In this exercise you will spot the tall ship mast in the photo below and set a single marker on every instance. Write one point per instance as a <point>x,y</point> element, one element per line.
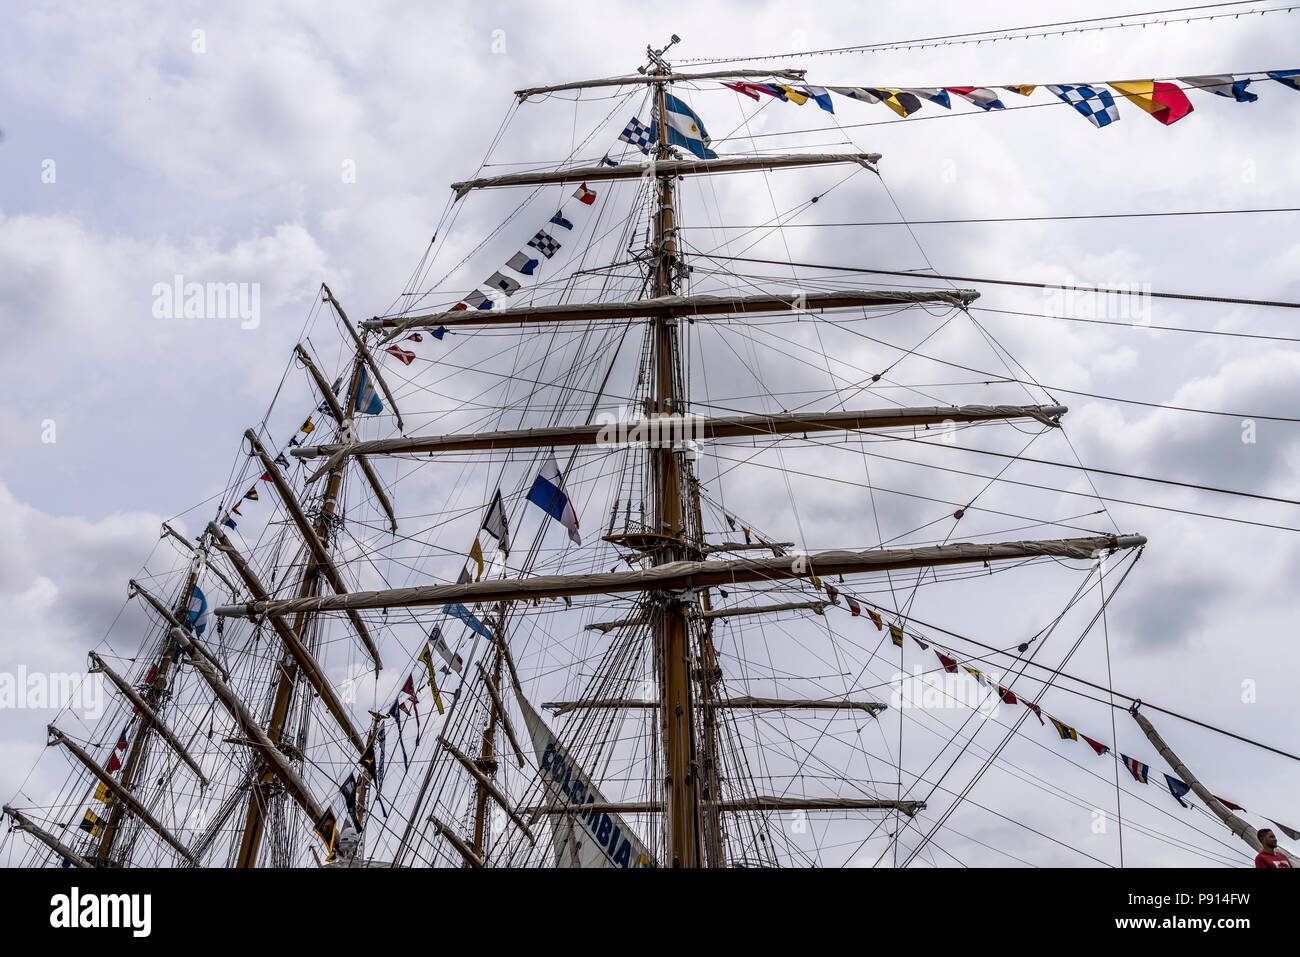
<point>488,604</point>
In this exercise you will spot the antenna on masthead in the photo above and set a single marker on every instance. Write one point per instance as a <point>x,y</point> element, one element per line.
<point>656,56</point>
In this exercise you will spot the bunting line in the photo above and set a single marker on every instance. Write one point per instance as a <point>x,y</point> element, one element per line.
<point>1164,100</point>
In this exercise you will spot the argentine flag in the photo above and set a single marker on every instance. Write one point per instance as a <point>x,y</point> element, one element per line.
<point>685,128</point>
<point>548,494</point>
<point>196,613</point>
<point>366,401</point>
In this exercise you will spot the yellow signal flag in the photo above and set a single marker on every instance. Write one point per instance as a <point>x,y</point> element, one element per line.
<point>1023,89</point>
<point>1066,732</point>
<point>1164,101</point>
<point>427,657</point>
<point>476,553</point>
<point>792,94</point>
<point>102,793</point>
<point>900,101</point>
<point>307,426</point>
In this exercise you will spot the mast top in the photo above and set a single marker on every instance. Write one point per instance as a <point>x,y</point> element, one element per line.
<point>659,70</point>
<point>649,78</point>
<point>656,57</point>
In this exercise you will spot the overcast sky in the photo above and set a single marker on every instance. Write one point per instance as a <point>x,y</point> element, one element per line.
<point>215,141</point>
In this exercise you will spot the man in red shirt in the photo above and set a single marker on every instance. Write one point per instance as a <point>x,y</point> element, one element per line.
<point>1269,856</point>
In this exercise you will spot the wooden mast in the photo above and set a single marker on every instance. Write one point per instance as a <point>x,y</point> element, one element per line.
<point>152,696</point>
<point>487,762</point>
<point>677,715</point>
<point>255,818</point>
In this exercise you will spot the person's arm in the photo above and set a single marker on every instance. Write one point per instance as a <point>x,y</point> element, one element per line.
<point>1259,861</point>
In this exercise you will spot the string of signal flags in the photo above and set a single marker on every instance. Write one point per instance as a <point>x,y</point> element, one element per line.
<point>953,663</point>
<point>1164,100</point>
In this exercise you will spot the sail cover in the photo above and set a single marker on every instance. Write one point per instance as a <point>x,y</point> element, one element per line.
<point>596,839</point>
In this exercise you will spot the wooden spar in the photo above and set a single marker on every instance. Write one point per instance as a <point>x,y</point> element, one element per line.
<point>776,548</point>
<point>317,547</point>
<point>745,703</point>
<point>488,786</point>
<point>122,794</point>
<point>27,826</point>
<point>149,714</point>
<point>681,787</point>
<point>168,530</point>
<point>695,307</point>
<point>340,417</point>
<point>817,606</point>
<point>761,802</point>
<point>301,653</point>
<point>659,431</point>
<point>505,719</point>
<point>365,357</point>
<point>605,627</point>
<point>455,840</point>
<point>665,169</point>
<point>695,574</point>
<point>1235,824</point>
<point>655,78</point>
<point>190,547</point>
<point>765,704</point>
<point>596,704</point>
<point>272,755</point>
<point>137,589</point>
